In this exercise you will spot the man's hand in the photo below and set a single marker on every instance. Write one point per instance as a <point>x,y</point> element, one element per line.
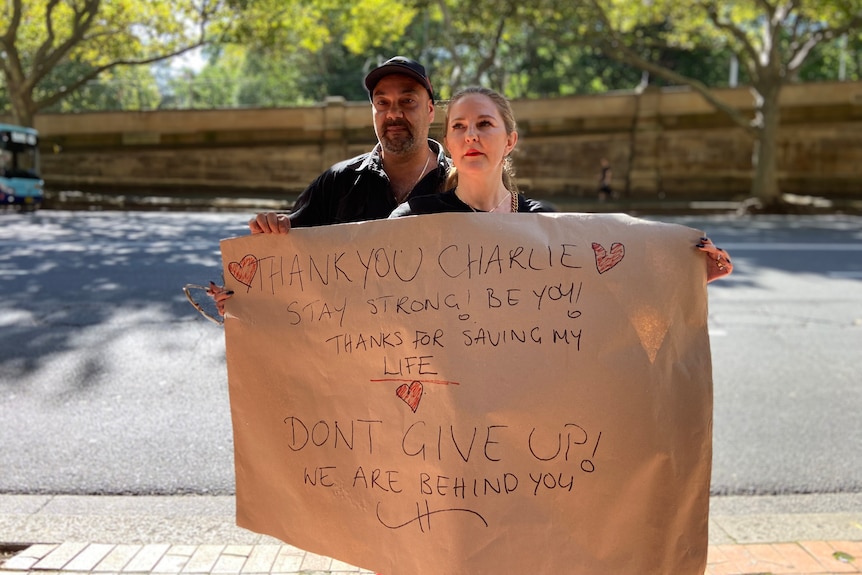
<point>269,223</point>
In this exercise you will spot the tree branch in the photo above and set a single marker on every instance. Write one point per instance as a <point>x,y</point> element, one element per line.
<point>12,66</point>
<point>45,61</point>
<point>488,61</point>
<point>614,47</point>
<point>457,61</point>
<point>95,72</point>
<point>8,39</point>
<point>736,33</point>
<point>798,55</point>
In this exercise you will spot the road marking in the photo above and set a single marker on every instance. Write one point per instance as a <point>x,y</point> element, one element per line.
<point>792,247</point>
<point>830,247</point>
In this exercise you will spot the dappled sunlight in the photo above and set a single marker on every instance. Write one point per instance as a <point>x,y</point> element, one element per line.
<point>105,367</point>
<point>12,317</point>
<point>70,270</point>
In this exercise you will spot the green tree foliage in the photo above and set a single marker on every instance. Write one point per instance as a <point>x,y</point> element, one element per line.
<point>216,85</point>
<point>41,41</point>
<point>840,59</point>
<point>771,39</point>
<point>236,76</point>
<point>268,80</point>
<point>534,50</point>
<point>318,48</point>
<point>126,88</point>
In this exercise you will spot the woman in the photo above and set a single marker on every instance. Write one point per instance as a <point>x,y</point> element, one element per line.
<point>480,133</point>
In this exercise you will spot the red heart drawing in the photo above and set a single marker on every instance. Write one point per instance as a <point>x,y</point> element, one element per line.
<point>606,261</point>
<point>243,271</point>
<point>410,394</point>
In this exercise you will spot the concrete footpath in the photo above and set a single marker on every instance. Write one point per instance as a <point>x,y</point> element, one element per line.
<point>53,534</point>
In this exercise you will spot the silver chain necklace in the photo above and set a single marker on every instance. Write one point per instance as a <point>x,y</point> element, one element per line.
<point>513,207</point>
<point>418,179</point>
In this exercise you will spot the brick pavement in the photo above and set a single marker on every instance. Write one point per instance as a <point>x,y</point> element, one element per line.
<point>171,559</point>
<point>195,535</point>
<point>800,558</point>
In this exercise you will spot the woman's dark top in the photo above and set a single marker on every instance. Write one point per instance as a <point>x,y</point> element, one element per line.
<point>449,202</point>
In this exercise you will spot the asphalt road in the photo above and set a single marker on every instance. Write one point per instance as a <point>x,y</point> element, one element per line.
<point>111,383</point>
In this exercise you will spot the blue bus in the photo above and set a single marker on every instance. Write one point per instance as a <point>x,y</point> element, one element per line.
<point>20,182</point>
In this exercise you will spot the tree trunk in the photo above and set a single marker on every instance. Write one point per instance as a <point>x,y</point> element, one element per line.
<point>21,105</point>
<point>764,184</point>
<point>22,117</point>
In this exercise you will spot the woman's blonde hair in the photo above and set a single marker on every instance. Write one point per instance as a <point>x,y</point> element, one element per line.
<point>505,109</point>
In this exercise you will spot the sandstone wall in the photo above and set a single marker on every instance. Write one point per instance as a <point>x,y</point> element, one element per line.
<point>661,144</point>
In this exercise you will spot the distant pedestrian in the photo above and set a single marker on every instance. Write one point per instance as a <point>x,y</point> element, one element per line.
<point>606,192</point>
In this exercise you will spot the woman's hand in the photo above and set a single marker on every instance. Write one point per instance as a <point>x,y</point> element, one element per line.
<point>269,223</point>
<point>220,295</point>
<point>717,261</point>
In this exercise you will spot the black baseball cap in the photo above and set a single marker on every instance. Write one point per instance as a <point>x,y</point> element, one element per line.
<point>399,65</point>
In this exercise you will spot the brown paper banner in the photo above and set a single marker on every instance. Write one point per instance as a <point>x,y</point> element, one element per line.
<point>475,394</point>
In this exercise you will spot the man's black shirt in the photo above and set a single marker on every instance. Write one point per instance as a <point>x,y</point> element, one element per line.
<point>358,189</point>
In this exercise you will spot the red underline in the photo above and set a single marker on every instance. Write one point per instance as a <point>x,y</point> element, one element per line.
<point>439,381</point>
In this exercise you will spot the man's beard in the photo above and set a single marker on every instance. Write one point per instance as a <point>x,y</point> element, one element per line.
<point>402,143</point>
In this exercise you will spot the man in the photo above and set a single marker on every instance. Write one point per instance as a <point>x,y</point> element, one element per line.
<point>403,164</point>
